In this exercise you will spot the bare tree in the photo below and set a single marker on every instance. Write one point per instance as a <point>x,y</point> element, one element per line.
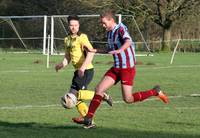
<point>165,12</point>
<point>161,12</point>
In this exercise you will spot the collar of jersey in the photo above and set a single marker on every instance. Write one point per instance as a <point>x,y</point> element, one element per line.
<point>116,27</point>
<point>74,37</point>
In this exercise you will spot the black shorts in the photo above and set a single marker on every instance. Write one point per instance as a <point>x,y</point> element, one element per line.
<point>82,83</point>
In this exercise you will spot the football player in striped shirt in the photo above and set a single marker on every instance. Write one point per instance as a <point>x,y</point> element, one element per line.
<point>122,47</point>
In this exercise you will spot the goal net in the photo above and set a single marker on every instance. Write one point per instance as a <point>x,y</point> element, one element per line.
<point>23,33</point>
<point>90,24</point>
<point>29,33</point>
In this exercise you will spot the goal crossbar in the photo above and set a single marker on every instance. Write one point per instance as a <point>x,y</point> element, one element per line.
<point>51,31</point>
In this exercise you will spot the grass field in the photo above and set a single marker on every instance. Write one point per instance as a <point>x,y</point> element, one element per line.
<point>30,93</point>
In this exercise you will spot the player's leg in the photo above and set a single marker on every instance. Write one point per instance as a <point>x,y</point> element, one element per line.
<point>127,93</point>
<point>142,95</point>
<point>82,108</point>
<point>88,95</point>
<point>108,80</point>
<point>85,94</point>
<point>127,77</point>
<point>77,84</point>
<point>83,82</point>
<point>130,97</point>
<point>101,88</point>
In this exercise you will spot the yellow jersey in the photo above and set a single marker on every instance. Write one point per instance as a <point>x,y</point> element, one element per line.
<point>74,46</point>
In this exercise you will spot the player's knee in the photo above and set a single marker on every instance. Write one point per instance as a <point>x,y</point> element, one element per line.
<point>98,90</point>
<point>128,100</point>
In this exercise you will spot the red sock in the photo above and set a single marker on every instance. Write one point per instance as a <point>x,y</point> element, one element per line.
<point>94,104</point>
<point>140,96</point>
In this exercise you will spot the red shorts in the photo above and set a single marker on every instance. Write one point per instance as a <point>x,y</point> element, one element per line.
<point>126,76</point>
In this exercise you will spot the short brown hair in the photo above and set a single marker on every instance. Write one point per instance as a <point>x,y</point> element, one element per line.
<point>72,17</point>
<point>109,14</point>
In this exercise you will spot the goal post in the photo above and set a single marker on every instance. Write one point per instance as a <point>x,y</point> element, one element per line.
<point>45,34</point>
<point>24,32</point>
<point>61,18</point>
<point>172,58</point>
<point>48,52</point>
<point>29,33</point>
<point>97,34</point>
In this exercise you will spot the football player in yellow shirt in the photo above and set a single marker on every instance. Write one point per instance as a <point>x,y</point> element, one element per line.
<point>76,51</point>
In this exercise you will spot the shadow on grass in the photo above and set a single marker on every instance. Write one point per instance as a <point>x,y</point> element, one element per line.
<point>184,123</point>
<point>36,130</point>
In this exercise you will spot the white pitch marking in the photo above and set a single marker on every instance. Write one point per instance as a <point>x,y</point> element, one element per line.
<point>102,68</point>
<point>181,66</point>
<point>57,105</point>
<point>14,71</point>
<point>28,106</point>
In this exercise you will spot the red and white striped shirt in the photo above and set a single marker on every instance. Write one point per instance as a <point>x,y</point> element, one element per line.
<point>116,39</point>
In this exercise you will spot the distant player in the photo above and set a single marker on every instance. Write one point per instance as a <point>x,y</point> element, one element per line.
<point>76,51</point>
<point>123,50</point>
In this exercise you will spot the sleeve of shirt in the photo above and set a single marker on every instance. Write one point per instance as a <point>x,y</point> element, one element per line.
<point>85,42</point>
<point>123,31</point>
<point>66,44</point>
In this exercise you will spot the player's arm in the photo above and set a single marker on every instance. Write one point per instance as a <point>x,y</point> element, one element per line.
<point>124,46</point>
<point>123,33</point>
<point>64,63</point>
<point>88,49</point>
<point>86,45</point>
<point>90,52</point>
<point>87,61</point>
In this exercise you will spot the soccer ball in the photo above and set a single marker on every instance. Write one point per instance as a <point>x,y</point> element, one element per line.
<point>68,101</point>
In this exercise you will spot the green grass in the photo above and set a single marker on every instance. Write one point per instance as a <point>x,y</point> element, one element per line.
<point>27,87</point>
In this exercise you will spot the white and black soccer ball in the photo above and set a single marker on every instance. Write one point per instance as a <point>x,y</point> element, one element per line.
<point>68,101</point>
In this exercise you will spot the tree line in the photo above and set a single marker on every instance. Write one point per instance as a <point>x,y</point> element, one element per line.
<point>157,19</point>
